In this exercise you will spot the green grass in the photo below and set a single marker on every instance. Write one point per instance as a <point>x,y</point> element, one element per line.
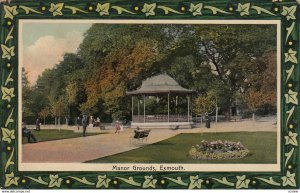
<point>55,134</point>
<point>262,145</point>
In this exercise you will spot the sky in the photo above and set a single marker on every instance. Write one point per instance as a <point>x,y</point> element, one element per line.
<point>44,45</point>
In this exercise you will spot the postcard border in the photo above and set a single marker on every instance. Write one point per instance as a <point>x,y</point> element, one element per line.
<point>286,11</point>
<point>105,167</point>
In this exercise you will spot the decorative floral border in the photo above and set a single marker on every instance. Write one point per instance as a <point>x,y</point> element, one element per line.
<point>288,12</point>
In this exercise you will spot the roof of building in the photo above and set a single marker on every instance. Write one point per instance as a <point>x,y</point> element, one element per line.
<point>162,83</point>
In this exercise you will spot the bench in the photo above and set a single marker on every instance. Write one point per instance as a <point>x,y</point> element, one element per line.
<point>26,135</point>
<point>97,124</point>
<point>139,136</point>
<point>102,127</point>
<point>24,138</point>
<point>236,118</point>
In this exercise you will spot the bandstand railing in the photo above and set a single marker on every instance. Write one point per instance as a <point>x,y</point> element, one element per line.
<point>160,118</point>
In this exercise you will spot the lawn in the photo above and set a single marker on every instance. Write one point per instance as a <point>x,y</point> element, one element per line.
<point>262,145</point>
<point>55,134</point>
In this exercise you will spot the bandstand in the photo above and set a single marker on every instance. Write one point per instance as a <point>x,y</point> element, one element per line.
<point>161,86</point>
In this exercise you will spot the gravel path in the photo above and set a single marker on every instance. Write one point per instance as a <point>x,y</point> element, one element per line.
<point>88,148</point>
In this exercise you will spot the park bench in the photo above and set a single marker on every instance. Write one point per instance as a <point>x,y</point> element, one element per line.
<point>24,138</point>
<point>102,127</point>
<point>139,136</point>
<point>236,118</point>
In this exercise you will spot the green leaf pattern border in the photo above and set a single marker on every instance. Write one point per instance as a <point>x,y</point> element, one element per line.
<point>287,179</point>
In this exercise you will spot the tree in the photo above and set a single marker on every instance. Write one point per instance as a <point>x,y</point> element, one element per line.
<point>53,83</point>
<point>44,89</point>
<point>58,110</point>
<point>203,105</point>
<point>263,85</point>
<point>118,66</point>
<point>269,78</point>
<point>45,112</point>
<point>112,59</point>
<point>255,99</point>
<point>27,101</point>
<point>232,53</point>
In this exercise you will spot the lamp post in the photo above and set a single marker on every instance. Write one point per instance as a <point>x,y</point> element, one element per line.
<point>177,108</point>
<point>216,110</point>
<point>168,107</point>
<point>144,109</point>
<point>188,108</point>
<point>139,102</point>
<point>132,108</point>
<point>157,101</point>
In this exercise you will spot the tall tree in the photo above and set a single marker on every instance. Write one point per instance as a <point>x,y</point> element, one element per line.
<point>124,57</point>
<point>112,59</point>
<point>27,101</point>
<point>58,110</point>
<point>263,91</point>
<point>45,112</point>
<point>232,51</point>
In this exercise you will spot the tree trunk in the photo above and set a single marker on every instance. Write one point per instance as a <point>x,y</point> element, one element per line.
<point>201,119</point>
<point>44,121</point>
<point>59,123</point>
<point>253,117</point>
<point>55,122</point>
<point>216,113</point>
<point>227,115</point>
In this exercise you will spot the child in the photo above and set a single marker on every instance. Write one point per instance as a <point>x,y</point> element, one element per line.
<point>118,127</point>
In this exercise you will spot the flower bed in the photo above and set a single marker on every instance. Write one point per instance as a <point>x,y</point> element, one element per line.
<point>218,150</point>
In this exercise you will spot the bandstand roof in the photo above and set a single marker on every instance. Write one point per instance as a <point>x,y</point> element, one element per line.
<point>160,84</point>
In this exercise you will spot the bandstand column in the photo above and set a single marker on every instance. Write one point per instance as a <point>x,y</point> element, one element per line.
<point>188,108</point>
<point>177,108</point>
<point>191,107</point>
<point>144,109</point>
<point>138,110</point>
<point>168,107</point>
<point>216,111</point>
<point>132,108</point>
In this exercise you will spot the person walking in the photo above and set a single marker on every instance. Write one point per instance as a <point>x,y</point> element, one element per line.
<point>118,126</point>
<point>91,121</point>
<point>84,124</point>
<point>78,122</point>
<point>97,122</point>
<point>37,125</point>
<point>207,121</point>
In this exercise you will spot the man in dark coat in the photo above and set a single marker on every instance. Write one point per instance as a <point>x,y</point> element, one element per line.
<point>78,122</point>
<point>37,125</point>
<point>84,124</point>
<point>207,121</point>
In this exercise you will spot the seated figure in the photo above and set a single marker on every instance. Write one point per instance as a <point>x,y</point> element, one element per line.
<point>27,133</point>
<point>138,134</point>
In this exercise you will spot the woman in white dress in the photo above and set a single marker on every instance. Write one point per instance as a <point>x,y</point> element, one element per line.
<point>91,121</point>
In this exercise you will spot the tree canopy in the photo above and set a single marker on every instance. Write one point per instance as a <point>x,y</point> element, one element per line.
<point>230,61</point>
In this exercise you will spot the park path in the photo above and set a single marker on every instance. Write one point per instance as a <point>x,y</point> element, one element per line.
<point>92,147</point>
<point>87,148</point>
